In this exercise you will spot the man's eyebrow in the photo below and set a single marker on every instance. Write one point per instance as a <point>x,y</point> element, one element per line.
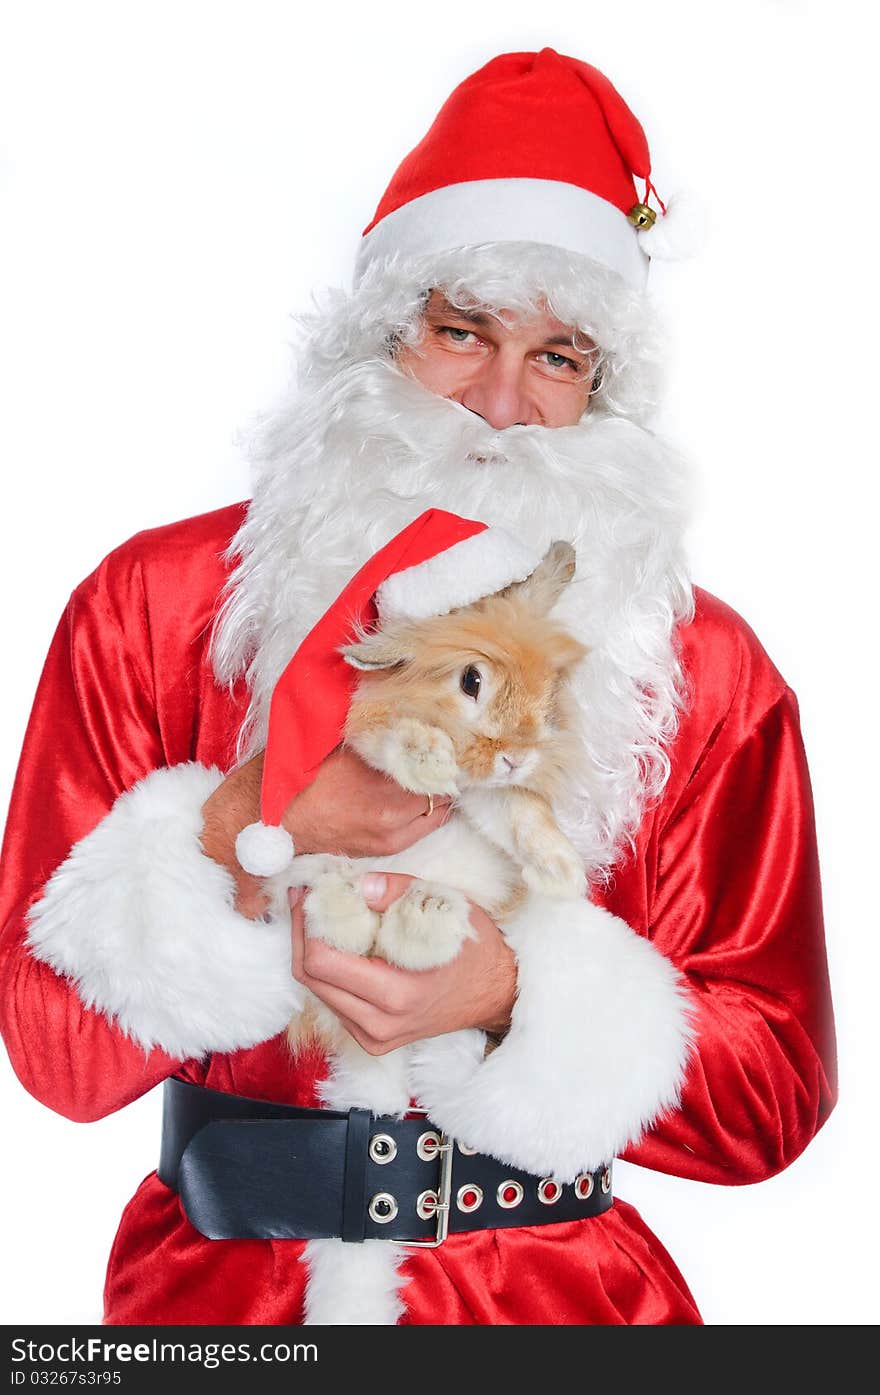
<point>473,317</point>
<point>565,341</point>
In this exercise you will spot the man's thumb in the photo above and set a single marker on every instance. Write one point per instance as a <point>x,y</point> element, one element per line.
<point>381,888</point>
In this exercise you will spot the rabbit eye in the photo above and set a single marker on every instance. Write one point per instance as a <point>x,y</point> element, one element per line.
<point>470,682</point>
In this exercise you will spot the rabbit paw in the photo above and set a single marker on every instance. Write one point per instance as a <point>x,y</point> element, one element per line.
<point>556,870</point>
<point>425,927</point>
<point>420,758</point>
<point>335,911</point>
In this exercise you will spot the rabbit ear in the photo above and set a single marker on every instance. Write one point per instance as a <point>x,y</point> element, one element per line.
<point>547,582</point>
<point>374,652</point>
<point>565,652</point>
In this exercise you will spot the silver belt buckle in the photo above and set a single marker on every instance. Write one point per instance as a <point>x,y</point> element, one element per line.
<point>444,1194</point>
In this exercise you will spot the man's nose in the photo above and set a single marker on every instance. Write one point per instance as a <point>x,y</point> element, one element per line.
<point>498,394</point>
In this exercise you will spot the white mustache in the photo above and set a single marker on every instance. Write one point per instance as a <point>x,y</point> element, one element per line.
<point>414,449</point>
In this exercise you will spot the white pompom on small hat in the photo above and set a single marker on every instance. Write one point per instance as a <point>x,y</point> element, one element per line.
<point>438,563</point>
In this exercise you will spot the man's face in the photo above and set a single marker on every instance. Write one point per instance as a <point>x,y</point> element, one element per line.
<point>509,371</point>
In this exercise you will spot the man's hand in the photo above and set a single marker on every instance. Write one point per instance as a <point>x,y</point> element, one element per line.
<point>384,1007</point>
<point>354,811</point>
<point>234,804</point>
<point>349,809</point>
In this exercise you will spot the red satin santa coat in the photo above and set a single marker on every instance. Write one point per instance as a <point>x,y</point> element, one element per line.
<point>724,881</point>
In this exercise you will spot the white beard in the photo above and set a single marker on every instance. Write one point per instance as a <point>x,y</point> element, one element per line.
<point>349,463</point>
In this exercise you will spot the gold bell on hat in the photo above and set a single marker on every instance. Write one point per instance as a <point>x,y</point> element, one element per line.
<point>641,216</point>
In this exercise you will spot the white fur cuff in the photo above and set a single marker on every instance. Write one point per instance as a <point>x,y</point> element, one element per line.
<point>596,1051</point>
<point>144,924</point>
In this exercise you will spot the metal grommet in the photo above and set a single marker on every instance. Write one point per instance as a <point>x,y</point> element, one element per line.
<point>426,1206</point>
<point>464,1149</point>
<point>383,1149</point>
<point>469,1197</point>
<point>549,1191</point>
<point>583,1185</point>
<point>427,1145</point>
<point>606,1180</point>
<point>383,1208</point>
<point>509,1194</point>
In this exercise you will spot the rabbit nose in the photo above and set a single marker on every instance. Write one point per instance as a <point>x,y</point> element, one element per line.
<point>511,764</point>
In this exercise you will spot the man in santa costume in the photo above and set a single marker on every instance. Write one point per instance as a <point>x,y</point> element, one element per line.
<point>497,362</point>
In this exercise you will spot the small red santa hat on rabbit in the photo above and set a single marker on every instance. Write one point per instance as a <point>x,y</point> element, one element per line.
<point>436,564</point>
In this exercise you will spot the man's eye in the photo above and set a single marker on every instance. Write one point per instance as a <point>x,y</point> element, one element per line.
<point>560,361</point>
<point>456,334</point>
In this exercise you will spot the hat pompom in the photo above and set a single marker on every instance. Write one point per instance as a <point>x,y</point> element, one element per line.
<point>264,849</point>
<point>679,233</point>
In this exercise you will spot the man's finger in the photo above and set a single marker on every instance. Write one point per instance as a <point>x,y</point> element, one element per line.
<point>427,819</point>
<point>370,981</point>
<point>375,1046</point>
<point>367,1014</point>
<point>422,806</point>
<point>373,980</point>
<point>381,889</point>
<point>250,898</point>
<point>347,1007</point>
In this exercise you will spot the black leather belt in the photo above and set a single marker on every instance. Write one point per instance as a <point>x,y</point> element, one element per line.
<point>250,1170</point>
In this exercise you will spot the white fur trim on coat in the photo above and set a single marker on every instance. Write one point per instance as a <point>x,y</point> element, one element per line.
<point>477,566</point>
<point>596,1050</point>
<point>143,922</point>
<point>353,1284</point>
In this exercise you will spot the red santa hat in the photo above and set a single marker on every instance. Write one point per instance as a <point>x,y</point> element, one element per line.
<point>436,564</point>
<point>534,147</point>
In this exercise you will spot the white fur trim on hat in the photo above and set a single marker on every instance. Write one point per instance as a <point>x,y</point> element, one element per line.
<point>144,923</point>
<point>599,1038</point>
<point>509,210</point>
<point>477,566</point>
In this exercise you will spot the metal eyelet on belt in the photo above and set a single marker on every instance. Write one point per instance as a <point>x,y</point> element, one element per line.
<point>383,1208</point>
<point>606,1180</point>
<point>509,1194</point>
<point>427,1145</point>
<point>469,1197</point>
<point>464,1149</point>
<point>426,1206</point>
<point>583,1186</point>
<point>383,1149</point>
<point>549,1191</point>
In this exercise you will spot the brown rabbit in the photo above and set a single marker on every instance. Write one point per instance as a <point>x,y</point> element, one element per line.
<point>472,704</point>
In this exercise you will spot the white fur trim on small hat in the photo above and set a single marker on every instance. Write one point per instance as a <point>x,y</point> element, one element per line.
<point>264,849</point>
<point>478,566</point>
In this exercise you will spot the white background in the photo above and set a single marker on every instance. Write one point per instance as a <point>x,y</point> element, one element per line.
<point>176,178</point>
